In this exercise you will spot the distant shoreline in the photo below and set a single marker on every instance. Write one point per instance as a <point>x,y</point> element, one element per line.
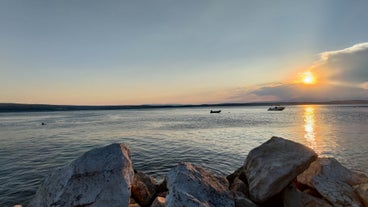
<point>16,107</point>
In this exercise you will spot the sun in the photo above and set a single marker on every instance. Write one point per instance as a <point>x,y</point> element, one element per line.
<point>308,78</point>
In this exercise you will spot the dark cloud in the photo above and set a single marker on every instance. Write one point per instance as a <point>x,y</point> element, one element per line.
<point>349,65</point>
<point>299,92</point>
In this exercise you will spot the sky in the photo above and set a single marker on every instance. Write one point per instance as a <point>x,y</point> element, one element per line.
<point>89,52</point>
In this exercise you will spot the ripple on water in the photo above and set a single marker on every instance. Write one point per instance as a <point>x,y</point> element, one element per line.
<point>161,138</point>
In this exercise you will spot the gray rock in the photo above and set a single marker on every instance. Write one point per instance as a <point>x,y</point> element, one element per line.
<point>292,197</point>
<point>273,165</point>
<point>244,202</point>
<point>100,177</point>
<point>143,189</point>
<point>331,168</point>
<point>193,186</point>
<point>332,181</point>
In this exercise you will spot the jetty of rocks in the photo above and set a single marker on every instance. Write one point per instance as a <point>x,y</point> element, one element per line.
<point>279,172</point>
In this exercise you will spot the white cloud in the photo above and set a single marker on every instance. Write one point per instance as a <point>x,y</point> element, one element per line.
<point>350,50</point>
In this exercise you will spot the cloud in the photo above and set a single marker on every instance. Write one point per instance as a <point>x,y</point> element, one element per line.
<point>344,73</point>
<point>350,50</point>
<point>348,66</point>
<point>298,92</point>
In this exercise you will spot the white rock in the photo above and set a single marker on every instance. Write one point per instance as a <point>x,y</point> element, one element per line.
<point>273,165</point>
<point>193,186</point>
<point>100,177</point>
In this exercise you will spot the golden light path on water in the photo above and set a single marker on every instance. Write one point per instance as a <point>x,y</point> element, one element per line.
<point>309,127</point>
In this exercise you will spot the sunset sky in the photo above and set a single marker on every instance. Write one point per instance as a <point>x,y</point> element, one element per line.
<point>170,52</point>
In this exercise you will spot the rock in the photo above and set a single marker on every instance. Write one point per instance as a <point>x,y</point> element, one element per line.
<point>244,202</point>
<point>241,193</point>
<point>161,188</point>
<point>313,192</point>
<point>133,203</point>
<point>273,165</point>
<point>159,202</point>
<point>292,197</point>
<point>357,178</point>
<point>362,191</point>
<point>331,168</point>
<point>143,188</point>
<point>332,181</point>
<point>239,173</point>
<point>239,186</point>
<point>100,177</point>
<point>241,200</point>
<point>162,194</point>
<point>193,186</point>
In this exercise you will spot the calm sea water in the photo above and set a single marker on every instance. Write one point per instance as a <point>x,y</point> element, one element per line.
<point>160,138</point>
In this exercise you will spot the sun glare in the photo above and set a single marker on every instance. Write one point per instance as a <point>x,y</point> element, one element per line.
<point>308,78</point>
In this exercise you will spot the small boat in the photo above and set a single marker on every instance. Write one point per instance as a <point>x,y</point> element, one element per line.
<point>276,108</point>
<point>215,111</point>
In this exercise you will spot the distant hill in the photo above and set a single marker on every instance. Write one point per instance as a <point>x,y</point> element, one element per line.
<point>15,107</point>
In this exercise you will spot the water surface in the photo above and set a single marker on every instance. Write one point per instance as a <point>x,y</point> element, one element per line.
<point>160,138</point>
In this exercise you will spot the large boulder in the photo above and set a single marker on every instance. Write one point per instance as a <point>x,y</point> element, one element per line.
<point>193,186</point>
<point>332,169</point>
<point>100,177</point>
<point>333,181</point>
<point>273,165</point>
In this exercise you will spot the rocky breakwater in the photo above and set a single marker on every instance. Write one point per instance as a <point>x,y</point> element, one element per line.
<point>279,172</point>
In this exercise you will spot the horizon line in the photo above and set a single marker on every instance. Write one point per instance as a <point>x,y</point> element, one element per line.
<point>200,104</point>
<point>194,104</point>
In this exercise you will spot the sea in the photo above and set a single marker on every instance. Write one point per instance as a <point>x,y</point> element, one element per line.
<point>161,138</point>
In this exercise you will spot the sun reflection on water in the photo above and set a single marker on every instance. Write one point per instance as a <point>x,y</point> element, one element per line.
<point>309,127</point>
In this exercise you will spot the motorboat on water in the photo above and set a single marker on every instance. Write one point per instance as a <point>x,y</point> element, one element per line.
<point>215,111</point>
<point>276,108</point>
